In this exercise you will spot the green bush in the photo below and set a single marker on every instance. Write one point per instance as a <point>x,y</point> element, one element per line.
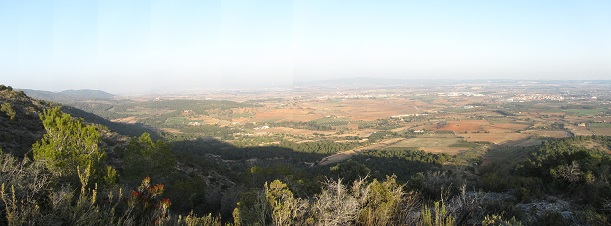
<point>70,145</point>
<point>7,108</point>
<point>143,157</point>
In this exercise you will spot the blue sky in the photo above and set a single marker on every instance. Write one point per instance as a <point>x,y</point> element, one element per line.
<point>137,46</point>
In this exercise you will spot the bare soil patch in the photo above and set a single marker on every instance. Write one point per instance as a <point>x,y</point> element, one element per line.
<point>466,125</point>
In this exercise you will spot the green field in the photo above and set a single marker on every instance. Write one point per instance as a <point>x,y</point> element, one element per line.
<point>433,142</point>
<point>585,112</point>
<point>242,115</point>
<point>600,125</point>
<point>331,122</point>
<point>425,99</point>
<point>175,121</point>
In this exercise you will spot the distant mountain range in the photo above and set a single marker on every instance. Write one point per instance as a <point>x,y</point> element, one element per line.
<point>68,95</point>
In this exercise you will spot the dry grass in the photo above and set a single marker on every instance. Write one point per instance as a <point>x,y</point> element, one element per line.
<point>529,142</point>
<point>286,114</point>
<point>493,129</point>
<point>295,131</point>
<point>601,131</point>
<point>590,144</point>
<point>367,109</point>
<point>129,120</point>
<point>447,150</point>
<point>579,130</point>
<point>548,133</point>
<point>511,126</point>
<point>435,144</point>
<point>211,121</point>
<point>496,138</point>
<point>421,142</point>
<point>171,130</point>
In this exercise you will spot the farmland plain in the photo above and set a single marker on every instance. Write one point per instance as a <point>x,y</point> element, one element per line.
<point>434,118</point>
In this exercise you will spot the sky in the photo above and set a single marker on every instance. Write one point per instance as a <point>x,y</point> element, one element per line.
<point>178,45</point>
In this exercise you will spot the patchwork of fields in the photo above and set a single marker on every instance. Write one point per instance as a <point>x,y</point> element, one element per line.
<point>436,123</point>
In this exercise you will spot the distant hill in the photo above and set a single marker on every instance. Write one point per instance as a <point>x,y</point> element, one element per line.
<point>68,95</point>
<point>87,94</point>
<point>20,125</point>
<point>133,130</point>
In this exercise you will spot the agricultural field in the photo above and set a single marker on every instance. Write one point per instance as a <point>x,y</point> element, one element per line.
<point>431,144</point>
<point>466,126</point>
<point>433,119</point>
<point>586,111</point>
<point>579,130</point>
<point>548,133</point>
<point>499,138</point>
<point>600,128</point>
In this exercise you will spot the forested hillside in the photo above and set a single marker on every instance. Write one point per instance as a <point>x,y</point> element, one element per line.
<point>62,166</point>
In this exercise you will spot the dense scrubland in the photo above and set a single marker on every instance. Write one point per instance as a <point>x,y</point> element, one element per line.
<point>63,165</point>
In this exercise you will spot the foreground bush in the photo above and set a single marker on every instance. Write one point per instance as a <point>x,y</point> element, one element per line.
<point>29,195</point>
<point>362,203</point>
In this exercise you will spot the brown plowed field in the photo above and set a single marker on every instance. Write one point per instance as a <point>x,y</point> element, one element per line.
<point>466,125</point>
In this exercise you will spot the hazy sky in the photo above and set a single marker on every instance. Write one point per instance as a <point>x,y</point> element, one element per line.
<point>125,46</point>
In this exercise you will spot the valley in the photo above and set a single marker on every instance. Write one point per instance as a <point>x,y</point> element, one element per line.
<point>522,143</point>
<point>430,118</point>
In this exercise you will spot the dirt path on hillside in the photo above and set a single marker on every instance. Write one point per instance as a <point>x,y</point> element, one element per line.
<point>347,154</point>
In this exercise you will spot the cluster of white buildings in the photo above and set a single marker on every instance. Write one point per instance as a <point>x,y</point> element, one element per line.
<point>528,97</point>
<point>458,94</point>
<point>407,115</point>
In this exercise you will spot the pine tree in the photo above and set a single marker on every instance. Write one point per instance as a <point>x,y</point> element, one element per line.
<point>144,157</point>
<point>70,145</point>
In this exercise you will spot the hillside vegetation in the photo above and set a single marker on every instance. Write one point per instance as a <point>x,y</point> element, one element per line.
<point>58,169</point>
